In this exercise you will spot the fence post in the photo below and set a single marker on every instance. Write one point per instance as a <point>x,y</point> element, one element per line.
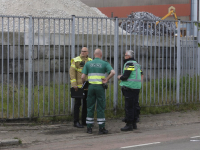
<point>73,53</point>
<point>198,48</point>
<point>115,93</point>
<point>178,64</point>
<point>30,63</point>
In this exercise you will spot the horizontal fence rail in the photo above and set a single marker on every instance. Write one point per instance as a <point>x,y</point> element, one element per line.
<point>35,54</point>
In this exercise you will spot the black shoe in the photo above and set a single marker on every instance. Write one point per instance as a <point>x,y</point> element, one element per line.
<point>78,125</point>
<point>124,119</point>
<point>128,127</point>
<point>89,130</point>
<point>138,120</point>
<point>103,131</point>
<point>134,126</point>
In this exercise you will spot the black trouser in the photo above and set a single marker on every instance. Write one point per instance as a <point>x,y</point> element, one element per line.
<point>77,109</point>
<point>131,104</point>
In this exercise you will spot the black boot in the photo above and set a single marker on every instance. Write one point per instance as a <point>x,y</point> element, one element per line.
<point>134,125</point>
<point>78,125</point>
<point>89,130</point>
<point>103,131</point>
<point>128,127</point>
<point>124,120</point>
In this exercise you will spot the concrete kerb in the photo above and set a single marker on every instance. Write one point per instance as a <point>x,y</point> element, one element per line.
<point>7,142</point>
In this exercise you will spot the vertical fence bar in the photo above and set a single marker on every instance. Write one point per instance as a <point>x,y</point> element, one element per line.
<point>198,57</point>
<point>59,70</point>
<point>150,62</point>
<point>110,63</point>
<point>13,65</point>
<point>43,66</point>
<point>147,55</point>
<point>30,65</point>
<point>8,77</point>
<point>159,67</point>
<point>170,64</point>
<point>162,61</point>
<point>78,37</point>
<point>64,69</point>
<point>73,53</point>
<point>178,63</point>
<point>38,73</point>
<point>69,41</point>
<point>33,100</point>
<point>115,94</point>
<point>2,69</point>
<point>155,54</point>
<point>49,67</point>
<point>193,75</point>
<point>54,67</point>
<point>24,75</point>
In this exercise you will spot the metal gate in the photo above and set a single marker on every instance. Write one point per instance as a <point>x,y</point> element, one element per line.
<point>36,52</point>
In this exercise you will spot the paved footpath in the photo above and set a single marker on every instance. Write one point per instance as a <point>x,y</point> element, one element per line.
<point>30,134</point>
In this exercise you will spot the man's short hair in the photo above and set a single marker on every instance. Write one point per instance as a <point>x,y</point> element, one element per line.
<point>130,53</point>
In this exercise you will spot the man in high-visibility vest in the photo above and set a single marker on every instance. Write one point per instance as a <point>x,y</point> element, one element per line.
<point>131,84</point>
<point>77,65</point>
<point>96,71</point>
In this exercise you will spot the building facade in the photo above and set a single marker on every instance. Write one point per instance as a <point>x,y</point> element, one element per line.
<point>122,8</point>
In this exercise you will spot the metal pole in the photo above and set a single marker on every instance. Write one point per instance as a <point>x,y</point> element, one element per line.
<point>73,54</point>
<point>115,94</point>
<point>30,32</point>
<point>198,55</point>
<point>178,63</point>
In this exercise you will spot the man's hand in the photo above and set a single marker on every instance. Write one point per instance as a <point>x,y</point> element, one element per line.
<point>104,80</point>
<point>119,76</point>
<point>76,88</point>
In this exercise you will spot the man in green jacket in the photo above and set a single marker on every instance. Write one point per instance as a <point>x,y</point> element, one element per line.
<point>96,70</point>
<point>131,84</point>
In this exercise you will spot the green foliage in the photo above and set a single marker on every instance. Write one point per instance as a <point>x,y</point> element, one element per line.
<point>50,101</point>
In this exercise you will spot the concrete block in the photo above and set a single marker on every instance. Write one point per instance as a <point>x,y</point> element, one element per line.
<point>60,39</point>
<point>7,142</point>
<point>56,63</point>
<point>12,38</point>
<point>5,50</point>
<point>21,52</point>
<point>38,39</point>
<point>38,65</point>
<point>86,40</point>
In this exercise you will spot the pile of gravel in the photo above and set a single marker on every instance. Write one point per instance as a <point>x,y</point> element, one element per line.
<point>62,9</point>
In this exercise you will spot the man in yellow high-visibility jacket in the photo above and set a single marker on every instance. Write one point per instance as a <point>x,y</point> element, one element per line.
<point>77,65</point>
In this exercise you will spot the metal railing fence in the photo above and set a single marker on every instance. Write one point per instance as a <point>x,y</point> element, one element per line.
<point>36,52</point>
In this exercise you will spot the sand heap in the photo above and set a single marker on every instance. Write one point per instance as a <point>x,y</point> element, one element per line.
<point>53,8</point>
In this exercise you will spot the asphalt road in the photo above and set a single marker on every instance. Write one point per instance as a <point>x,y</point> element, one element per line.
<point>178,137</point>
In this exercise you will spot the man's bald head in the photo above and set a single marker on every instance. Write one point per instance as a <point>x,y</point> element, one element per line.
<point>98,53</point>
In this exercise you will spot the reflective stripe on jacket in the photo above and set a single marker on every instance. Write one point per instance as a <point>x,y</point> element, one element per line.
<point>76,69</point>
<point>134,80</point>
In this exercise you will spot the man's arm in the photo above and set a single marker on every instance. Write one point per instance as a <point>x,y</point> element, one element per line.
<point>112,73</point>
<point>73,72</point>
<point>83,77</point>
<point>127,71</point>
<point>141,77</point>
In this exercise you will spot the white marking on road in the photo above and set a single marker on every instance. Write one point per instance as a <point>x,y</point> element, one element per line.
<point>141,145</point>
<point>194,140</point>
<point>195,137</point>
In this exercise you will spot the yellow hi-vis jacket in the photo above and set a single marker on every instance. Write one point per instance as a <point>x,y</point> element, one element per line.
<point>76,69</point>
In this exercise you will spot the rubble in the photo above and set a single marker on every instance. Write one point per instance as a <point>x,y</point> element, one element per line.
<point>144,23</point>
